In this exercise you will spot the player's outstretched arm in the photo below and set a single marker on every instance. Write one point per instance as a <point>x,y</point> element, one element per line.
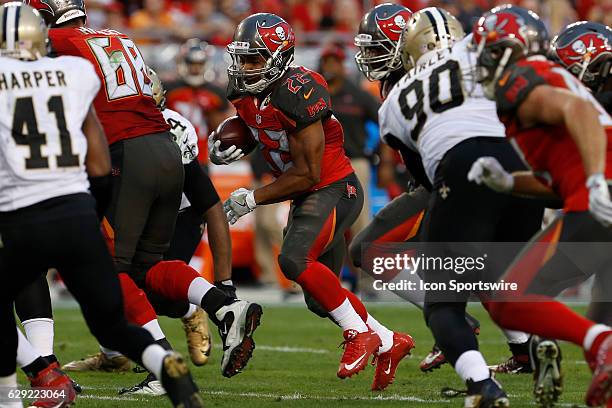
<point>306,147</point>
<point>557,106</point>
<point>220,242</point>
<point>98,157</point>
<point>550,105</point>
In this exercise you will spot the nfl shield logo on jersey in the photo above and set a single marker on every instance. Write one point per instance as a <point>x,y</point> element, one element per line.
<point>258,119</point>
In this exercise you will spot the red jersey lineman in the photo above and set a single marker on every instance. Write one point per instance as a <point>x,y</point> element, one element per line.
<point>288,111</point>
<point>565,136</point>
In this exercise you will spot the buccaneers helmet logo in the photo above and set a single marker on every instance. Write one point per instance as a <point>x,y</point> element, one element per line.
<point>42,5</point>
<point>276,35</point>
<point>393,25</point>
<point>587,45</point>
<point>503,25</point>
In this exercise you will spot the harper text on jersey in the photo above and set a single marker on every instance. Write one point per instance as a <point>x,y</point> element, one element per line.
<point>32,79</point>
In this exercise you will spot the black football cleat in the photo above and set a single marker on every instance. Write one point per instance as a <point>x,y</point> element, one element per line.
<point>178,383</point>
<point>548,380</point>
<point>485,394</point>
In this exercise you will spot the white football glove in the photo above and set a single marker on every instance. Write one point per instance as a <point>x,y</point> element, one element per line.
<point>240,202</point>
<point>599,199</point>
<point>489,171</point>
<point>218,156</point>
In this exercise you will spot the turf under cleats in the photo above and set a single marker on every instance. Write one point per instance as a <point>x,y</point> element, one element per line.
<point>548,379</point>
<point>434,359</point>
<point>99,362</point>
<point>178,383</point>
<point>387,362</point>
<point>199,340</point>
<point>358,347</point>
<point>148,386</point>
<point>600,390</point>
<point>485,394</point>
<point>237,323</point>
<point>56,386</point>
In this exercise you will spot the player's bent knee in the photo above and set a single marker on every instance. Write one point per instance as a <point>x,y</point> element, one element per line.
<point>290,267</point>
<point>314,306</point>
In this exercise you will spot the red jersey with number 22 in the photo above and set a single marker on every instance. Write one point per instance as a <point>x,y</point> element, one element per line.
<point>550,151</point>
<point>124,104</point>
<point>298,100</point>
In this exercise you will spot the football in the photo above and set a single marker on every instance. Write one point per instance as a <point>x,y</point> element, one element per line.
<point>234,131</point>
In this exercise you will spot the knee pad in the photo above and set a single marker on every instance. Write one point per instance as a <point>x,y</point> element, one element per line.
<point>314,306</point>
<point>290,267</point>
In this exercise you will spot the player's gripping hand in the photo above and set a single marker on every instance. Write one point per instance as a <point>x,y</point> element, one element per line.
<point>240,202</point>
<point>218,156</point>
<point>599,199</point>
<point>489,171</point>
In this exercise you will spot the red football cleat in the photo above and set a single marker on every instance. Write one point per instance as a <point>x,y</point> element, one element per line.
<point>57,387</point>
<point>600,390</point>
<point>358,347</point>
<point>387,362</point>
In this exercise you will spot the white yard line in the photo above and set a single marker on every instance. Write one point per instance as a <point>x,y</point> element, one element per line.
<point>286,349</point>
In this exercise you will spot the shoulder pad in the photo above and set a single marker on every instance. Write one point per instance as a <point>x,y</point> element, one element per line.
<point>302,96</point>
<point>515,85</point>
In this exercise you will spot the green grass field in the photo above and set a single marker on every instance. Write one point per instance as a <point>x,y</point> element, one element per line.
<point>295,365</point>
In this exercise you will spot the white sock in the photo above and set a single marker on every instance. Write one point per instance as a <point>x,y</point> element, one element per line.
<point>386,335</point>
<point>192,309</point>
<point>472,365</point>
<point>6,383</point>
<point>515,337</point>
<point>348,318</point>
<point>592,334</point>
<point>110,353</point>
<point>25,351</point>
<point>197,289</point>
<point>153,357</point>
<point>154,329</point>
<point>40,334</point>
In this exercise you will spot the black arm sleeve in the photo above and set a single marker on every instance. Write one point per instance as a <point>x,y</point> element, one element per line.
<point>101,190</point>
<point>198,188</point>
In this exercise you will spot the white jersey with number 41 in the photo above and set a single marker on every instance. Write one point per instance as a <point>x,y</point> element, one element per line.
<point>437,105</point>
<point>43,104</point>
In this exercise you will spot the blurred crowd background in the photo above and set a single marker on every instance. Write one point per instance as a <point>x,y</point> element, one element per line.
<point>184,41</point>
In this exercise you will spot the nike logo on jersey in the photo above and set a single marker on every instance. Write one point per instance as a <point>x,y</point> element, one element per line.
<point>388,370</point>
<point>307,94</point>
<point>354,363</point>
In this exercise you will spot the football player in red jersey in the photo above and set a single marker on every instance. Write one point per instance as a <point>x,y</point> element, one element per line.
<point>288,110</point>
<point>195,97</point>
<point>146,193</point>
<point>585,49</point>
<point>565,136</point>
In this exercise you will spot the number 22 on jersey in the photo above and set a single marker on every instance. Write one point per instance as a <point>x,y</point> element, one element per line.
<point>122,65</point>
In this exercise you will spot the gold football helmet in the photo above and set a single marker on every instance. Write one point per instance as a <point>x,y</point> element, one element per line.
<point>159,93</point>
<point>23,34</point>
<point>429,29</point>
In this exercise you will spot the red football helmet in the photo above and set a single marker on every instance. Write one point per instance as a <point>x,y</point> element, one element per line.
<point>585,49</point>
<point>57,12</point>
<point>266,35</point>
<point>379,33</point>
<point>505,35</point>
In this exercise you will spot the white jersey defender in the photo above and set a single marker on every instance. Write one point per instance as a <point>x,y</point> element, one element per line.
<point>42,145</point>
<point>437,105</point>
<point>186,138</point>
